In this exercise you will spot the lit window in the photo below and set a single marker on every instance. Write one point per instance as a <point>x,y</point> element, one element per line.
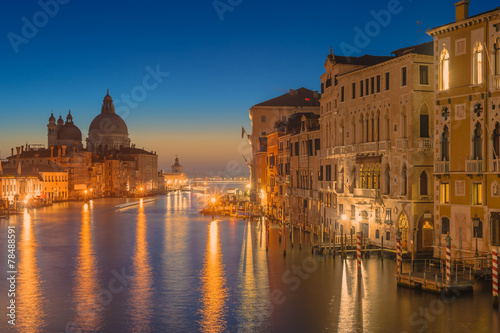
<point>477,194</point>
<point>444,70</point>
<point>478,64</point>
<point>444,193</point>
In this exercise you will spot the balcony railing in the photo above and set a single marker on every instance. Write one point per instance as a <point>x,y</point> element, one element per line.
<point>339,150</point>
<point>496,81</point>
<point>349,149</point>
<point>303,158</point>
<point>402,143</point>
<point>384,145</point>
<point>496,165</point>
<point>368,147</point>
<point>366,193</point>
<point>425,143</point>
<point>442,167</point>
<point>474,166</point>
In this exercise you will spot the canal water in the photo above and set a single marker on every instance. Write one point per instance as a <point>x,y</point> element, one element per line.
<point>157,265</point>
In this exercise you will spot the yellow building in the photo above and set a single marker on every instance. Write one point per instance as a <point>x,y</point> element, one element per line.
<point>274,209</point>
<point>376,157</point>
<point>467,132</point>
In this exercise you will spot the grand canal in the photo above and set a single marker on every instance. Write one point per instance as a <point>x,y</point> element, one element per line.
<point>157,265</point>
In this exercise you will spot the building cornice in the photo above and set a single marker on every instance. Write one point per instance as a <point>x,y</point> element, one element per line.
<point>463,23</point>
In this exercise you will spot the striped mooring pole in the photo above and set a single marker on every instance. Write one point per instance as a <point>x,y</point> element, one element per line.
<point>399,251</point>
<point>284,238</point>
<point>494,258</point>
<point>448,260</point>
<point>267,234</point>
<point>358,256</point>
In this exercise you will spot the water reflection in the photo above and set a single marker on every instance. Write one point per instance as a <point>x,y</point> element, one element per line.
<point>88,308</point>
<point>214,292</point>
<point>254,306</point>
<point>29,296</point>
<point>141,291</point>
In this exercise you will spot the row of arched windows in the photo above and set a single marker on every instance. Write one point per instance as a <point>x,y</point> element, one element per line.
<point>477,65</point>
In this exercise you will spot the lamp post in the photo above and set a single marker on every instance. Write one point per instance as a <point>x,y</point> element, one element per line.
<point>475,222</point>
<point>213,206</point>
<point>85,192</point>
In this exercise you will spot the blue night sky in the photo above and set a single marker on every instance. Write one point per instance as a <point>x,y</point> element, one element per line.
<point>217,69</point>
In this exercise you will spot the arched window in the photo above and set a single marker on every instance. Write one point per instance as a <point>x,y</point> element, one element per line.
<point>367,128</point>
<point>496,141</point>
<point>423,183</point>
<point>424,121</point>
<point>342,133</point>
<point>387,127</point>
<point>403,123</point>
<point>497,57</point>
<point>445,225</point>
<point>373,129</point>
<point>445,144</point>
<point>353,130</point>
<point>378,126</point>
<point>387,177</point>
<point>362,137</point>
<point>477,65</point>
<point>444,70</point>
<point>477,142</point>
<point>404,180</point>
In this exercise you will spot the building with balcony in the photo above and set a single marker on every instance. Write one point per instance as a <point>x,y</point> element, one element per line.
<point>467,132</point>
<point>302,197</point>
<point>376,157</point>
<point>263,117</point>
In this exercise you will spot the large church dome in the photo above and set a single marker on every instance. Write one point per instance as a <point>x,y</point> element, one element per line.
<point>109,123</point>
<point>108,130</point>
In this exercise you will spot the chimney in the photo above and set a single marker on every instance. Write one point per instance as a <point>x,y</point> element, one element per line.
<point>63,150</point>
<point>18,151</point>
<point>22,149</point>
<point>51,151</point>
<point>462,10</point>
<point>291,91</point>
<point>12,152</point>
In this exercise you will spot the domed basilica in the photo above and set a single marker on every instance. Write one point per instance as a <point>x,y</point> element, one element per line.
<point>107,131</point>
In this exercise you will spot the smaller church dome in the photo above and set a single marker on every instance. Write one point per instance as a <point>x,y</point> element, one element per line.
<point>60,121</point>
<point>52,119</point>
<point>69,132</point>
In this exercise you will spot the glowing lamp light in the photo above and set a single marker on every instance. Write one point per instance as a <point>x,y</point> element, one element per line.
<point>344,217</point>
<point>307,99</point>
<point>358,218</point>
<point>213,200</point>
<point>85,192</point>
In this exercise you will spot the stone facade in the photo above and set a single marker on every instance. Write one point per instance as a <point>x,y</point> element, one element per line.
<point>466,136</point>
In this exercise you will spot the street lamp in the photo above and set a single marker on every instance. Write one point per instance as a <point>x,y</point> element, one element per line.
<point>85,192</point>
<point>475,221</point>
<point>213,206</point>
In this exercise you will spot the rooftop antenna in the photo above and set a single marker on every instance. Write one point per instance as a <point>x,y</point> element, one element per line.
<point>419,24</point>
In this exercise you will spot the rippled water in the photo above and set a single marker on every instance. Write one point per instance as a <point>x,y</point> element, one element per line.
<point>159,266</point>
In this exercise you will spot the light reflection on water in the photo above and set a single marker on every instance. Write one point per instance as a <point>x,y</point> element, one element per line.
<point>190,274</point>
<point>140,303</point>
<point>214,292</point>
<point>88,308</point>
<point>29,298</point>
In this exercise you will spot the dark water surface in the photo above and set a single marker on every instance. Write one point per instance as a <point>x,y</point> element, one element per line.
<point>159,266</point>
